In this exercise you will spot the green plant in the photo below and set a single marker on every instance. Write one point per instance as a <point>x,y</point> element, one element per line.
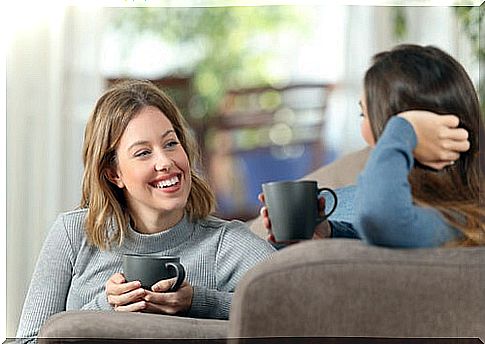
<point>225,39</point>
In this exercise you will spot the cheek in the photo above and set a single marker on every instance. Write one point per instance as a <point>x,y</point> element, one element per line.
<point>132,173</point>
<point>182,161</point>
<point>367,132</point>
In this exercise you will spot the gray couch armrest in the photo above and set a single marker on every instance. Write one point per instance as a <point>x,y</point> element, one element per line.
<point>98,324</point>
<point>342,287</point>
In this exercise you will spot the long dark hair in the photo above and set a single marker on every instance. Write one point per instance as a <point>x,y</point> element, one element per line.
<point>412,77</point>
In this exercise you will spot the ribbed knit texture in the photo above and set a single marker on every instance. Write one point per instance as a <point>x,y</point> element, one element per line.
<point>71,274</point>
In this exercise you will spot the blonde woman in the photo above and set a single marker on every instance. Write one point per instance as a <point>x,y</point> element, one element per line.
<point>141,193</point>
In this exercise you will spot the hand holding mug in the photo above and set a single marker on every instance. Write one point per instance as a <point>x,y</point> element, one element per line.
<point>125,296</point>
<point>296,208</point>
<point>161,300</point>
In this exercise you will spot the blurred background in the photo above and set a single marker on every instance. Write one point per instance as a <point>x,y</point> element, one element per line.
<point>271,93</point>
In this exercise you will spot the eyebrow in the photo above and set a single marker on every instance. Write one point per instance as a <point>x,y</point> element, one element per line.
<point>144,142</point>
<point>360,103</point>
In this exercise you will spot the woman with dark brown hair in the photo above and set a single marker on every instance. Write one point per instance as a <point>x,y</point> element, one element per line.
<point>421,186</point>
<point>400,202</point>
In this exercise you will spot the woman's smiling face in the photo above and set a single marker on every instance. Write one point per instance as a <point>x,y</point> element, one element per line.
<point>152,168</point>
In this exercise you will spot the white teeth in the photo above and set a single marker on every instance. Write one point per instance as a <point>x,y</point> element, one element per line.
<point>167,183</point>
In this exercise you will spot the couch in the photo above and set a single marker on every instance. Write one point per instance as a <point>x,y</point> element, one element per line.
<point>338,288</point>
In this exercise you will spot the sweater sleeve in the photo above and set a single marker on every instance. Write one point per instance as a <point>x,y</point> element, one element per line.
<point>50,282</point>
<point>98,303</point>
<point>238,251</point>
<point>385,212</point>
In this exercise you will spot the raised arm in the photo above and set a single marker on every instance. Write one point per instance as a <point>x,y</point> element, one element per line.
<point>385,211</point>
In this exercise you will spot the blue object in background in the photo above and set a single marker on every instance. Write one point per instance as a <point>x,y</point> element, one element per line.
<point>268,164</point>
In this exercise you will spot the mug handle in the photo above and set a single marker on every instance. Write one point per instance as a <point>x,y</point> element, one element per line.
<point>180,272</point>
<point>334,195</point>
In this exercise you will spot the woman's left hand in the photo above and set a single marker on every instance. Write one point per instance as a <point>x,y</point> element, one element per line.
<point>440,141</point>
<point>161,300</point>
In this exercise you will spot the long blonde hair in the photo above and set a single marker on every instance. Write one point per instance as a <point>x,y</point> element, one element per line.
<point>104,201</point>
<point>412,77</point>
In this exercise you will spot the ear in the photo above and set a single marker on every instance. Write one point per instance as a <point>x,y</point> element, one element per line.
<point>114,177</point>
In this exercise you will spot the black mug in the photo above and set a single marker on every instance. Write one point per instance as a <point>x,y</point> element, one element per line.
<point>149,269</point>
<point>293,208</point>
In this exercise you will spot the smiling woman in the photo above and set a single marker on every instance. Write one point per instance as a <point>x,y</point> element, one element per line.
<point>141,195</point>
<point>152,170</point>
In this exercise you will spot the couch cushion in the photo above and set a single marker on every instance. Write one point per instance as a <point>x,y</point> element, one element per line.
<point>98,324</point>
<point>342,287</point>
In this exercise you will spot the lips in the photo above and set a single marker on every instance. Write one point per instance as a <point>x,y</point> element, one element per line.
<point>166,182</point>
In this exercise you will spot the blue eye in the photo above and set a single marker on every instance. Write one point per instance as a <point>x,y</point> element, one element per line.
<point>172,144</point>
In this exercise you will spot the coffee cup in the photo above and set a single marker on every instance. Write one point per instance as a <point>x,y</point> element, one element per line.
<point>149,269</point>
<point>293,208</point>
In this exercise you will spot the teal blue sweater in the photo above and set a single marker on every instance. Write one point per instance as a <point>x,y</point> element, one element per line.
<point>380,209</point>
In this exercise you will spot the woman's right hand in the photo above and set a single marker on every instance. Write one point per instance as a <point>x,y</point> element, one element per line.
<point>125,296</point>
<point>322,230</point>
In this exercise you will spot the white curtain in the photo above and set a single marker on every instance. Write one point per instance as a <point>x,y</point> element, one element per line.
<point>369,30</point>
<point>52,83</point>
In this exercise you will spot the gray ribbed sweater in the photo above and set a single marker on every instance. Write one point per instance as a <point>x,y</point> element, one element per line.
<point>71,274</point>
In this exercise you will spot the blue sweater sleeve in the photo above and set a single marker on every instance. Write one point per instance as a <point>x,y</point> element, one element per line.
<point>385,213</point>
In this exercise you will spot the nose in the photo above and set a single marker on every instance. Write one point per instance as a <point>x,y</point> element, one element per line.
<point>163,163</point>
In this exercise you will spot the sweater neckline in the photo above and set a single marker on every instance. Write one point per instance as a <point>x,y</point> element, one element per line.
<point>136,242</point>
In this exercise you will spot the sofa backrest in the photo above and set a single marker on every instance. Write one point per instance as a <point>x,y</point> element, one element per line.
<point>342,287</point>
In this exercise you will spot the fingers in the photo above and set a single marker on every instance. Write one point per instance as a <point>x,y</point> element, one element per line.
<point>322,231</point>
<point>458,146</point>
<point>164,285</point>
<point>132,307</point>
<point>271,238</point>
<point>457,134</point>
<point>454,138</point>
<point>265,216</point>
<point>321,206</point>
<point>116,285</point>
<point>120,293</point>
<point>117,278</point>
<point>169,302</point>
<point>261,197</point>
<point>132,296</point>
<point>450,121</point>
<point>447,156</point>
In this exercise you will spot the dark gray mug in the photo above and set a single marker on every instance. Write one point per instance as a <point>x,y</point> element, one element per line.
<point>293,208</point>
<point>149,269</point>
